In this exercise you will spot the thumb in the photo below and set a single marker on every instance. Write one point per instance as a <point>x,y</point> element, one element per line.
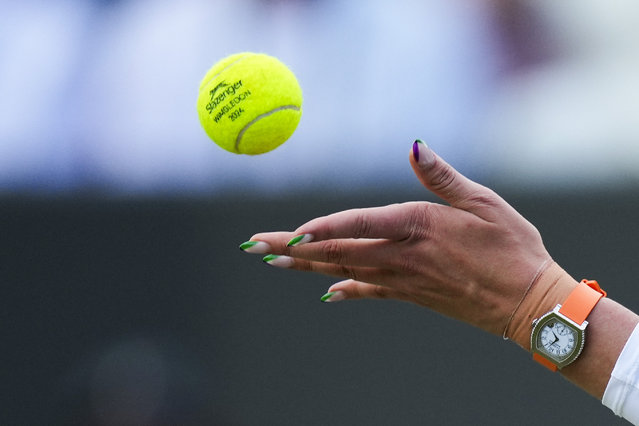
<point>450,185</point>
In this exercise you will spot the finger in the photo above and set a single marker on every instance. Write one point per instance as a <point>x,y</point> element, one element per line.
<point>393,222</point>
<point>350,252</point>
<point>358,273</point>
<point>362,252</point>
<point>450,185</point>
<point>352,290</point>
<point>267,242</point>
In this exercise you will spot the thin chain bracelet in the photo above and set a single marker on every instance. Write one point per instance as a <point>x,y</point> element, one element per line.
<point>541,268</point>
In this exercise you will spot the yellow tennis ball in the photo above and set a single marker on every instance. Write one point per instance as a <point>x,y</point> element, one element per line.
<point>249,103</point>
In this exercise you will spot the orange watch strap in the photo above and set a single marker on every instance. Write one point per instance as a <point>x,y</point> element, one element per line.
<point>582,300</point>
<point>543,361</point>
<point>577,306</point>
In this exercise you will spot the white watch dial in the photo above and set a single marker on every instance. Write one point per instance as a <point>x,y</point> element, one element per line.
<point>558,340</point>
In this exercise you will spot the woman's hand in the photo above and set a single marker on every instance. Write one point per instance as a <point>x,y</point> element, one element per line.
<point>472,259</point>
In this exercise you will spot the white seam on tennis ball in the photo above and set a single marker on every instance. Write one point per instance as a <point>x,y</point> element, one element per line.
<point>258,118</point>
<point>224,69</point>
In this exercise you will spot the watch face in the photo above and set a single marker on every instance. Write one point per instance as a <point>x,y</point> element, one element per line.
<point>557,338</point>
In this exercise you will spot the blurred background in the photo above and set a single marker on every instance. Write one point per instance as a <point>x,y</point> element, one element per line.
<point>125,299</point>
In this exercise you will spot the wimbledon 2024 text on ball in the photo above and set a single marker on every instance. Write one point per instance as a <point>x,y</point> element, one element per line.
<point>249,103</point>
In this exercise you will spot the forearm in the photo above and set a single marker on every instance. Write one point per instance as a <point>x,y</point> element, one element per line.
<point>610,325</point>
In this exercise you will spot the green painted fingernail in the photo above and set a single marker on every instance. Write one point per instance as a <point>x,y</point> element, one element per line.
<point>279,261</point>
<point>300,239</point>
<point>247,245</point>
<point>327,296</point>
<point>334,296</point>
<point>259,247</point>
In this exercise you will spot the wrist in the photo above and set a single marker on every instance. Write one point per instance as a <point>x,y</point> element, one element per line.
<point>551,288</point>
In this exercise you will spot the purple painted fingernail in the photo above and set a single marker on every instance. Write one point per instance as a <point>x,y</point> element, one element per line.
<point>416,150</point>
<point>422,154</point>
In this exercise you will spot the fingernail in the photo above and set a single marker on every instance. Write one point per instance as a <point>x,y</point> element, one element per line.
<point>279,261</point>
<point>300,239</point>
<point>333,296</point>
<point>259,247</point>
<point>422,154</point>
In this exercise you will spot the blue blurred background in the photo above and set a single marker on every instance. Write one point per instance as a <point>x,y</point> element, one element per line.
<point>100,95</point>
<point>125,299</point>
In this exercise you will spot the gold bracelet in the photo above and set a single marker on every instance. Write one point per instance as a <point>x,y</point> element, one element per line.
<point>541,268</point>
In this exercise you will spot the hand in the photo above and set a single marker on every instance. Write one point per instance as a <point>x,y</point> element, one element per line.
<point>472,259</point>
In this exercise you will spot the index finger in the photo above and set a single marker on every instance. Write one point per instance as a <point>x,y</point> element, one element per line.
<point>392,222</point>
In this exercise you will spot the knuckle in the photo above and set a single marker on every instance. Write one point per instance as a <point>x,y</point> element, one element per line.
<point>485,197</point>
<point>333,251</point>
<point>442,178</point>
<point>381,292</point>
<point>356,290</point>
<point>362,225</point>
<point>418,221</point>
<point>407,264</point>
<point>305,265</point>
<point>349,272</point>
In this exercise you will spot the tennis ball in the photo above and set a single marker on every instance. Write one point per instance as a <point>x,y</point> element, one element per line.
<point>249,103</point>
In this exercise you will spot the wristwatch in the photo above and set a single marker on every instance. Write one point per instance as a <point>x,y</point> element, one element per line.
<point>558,337</point>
